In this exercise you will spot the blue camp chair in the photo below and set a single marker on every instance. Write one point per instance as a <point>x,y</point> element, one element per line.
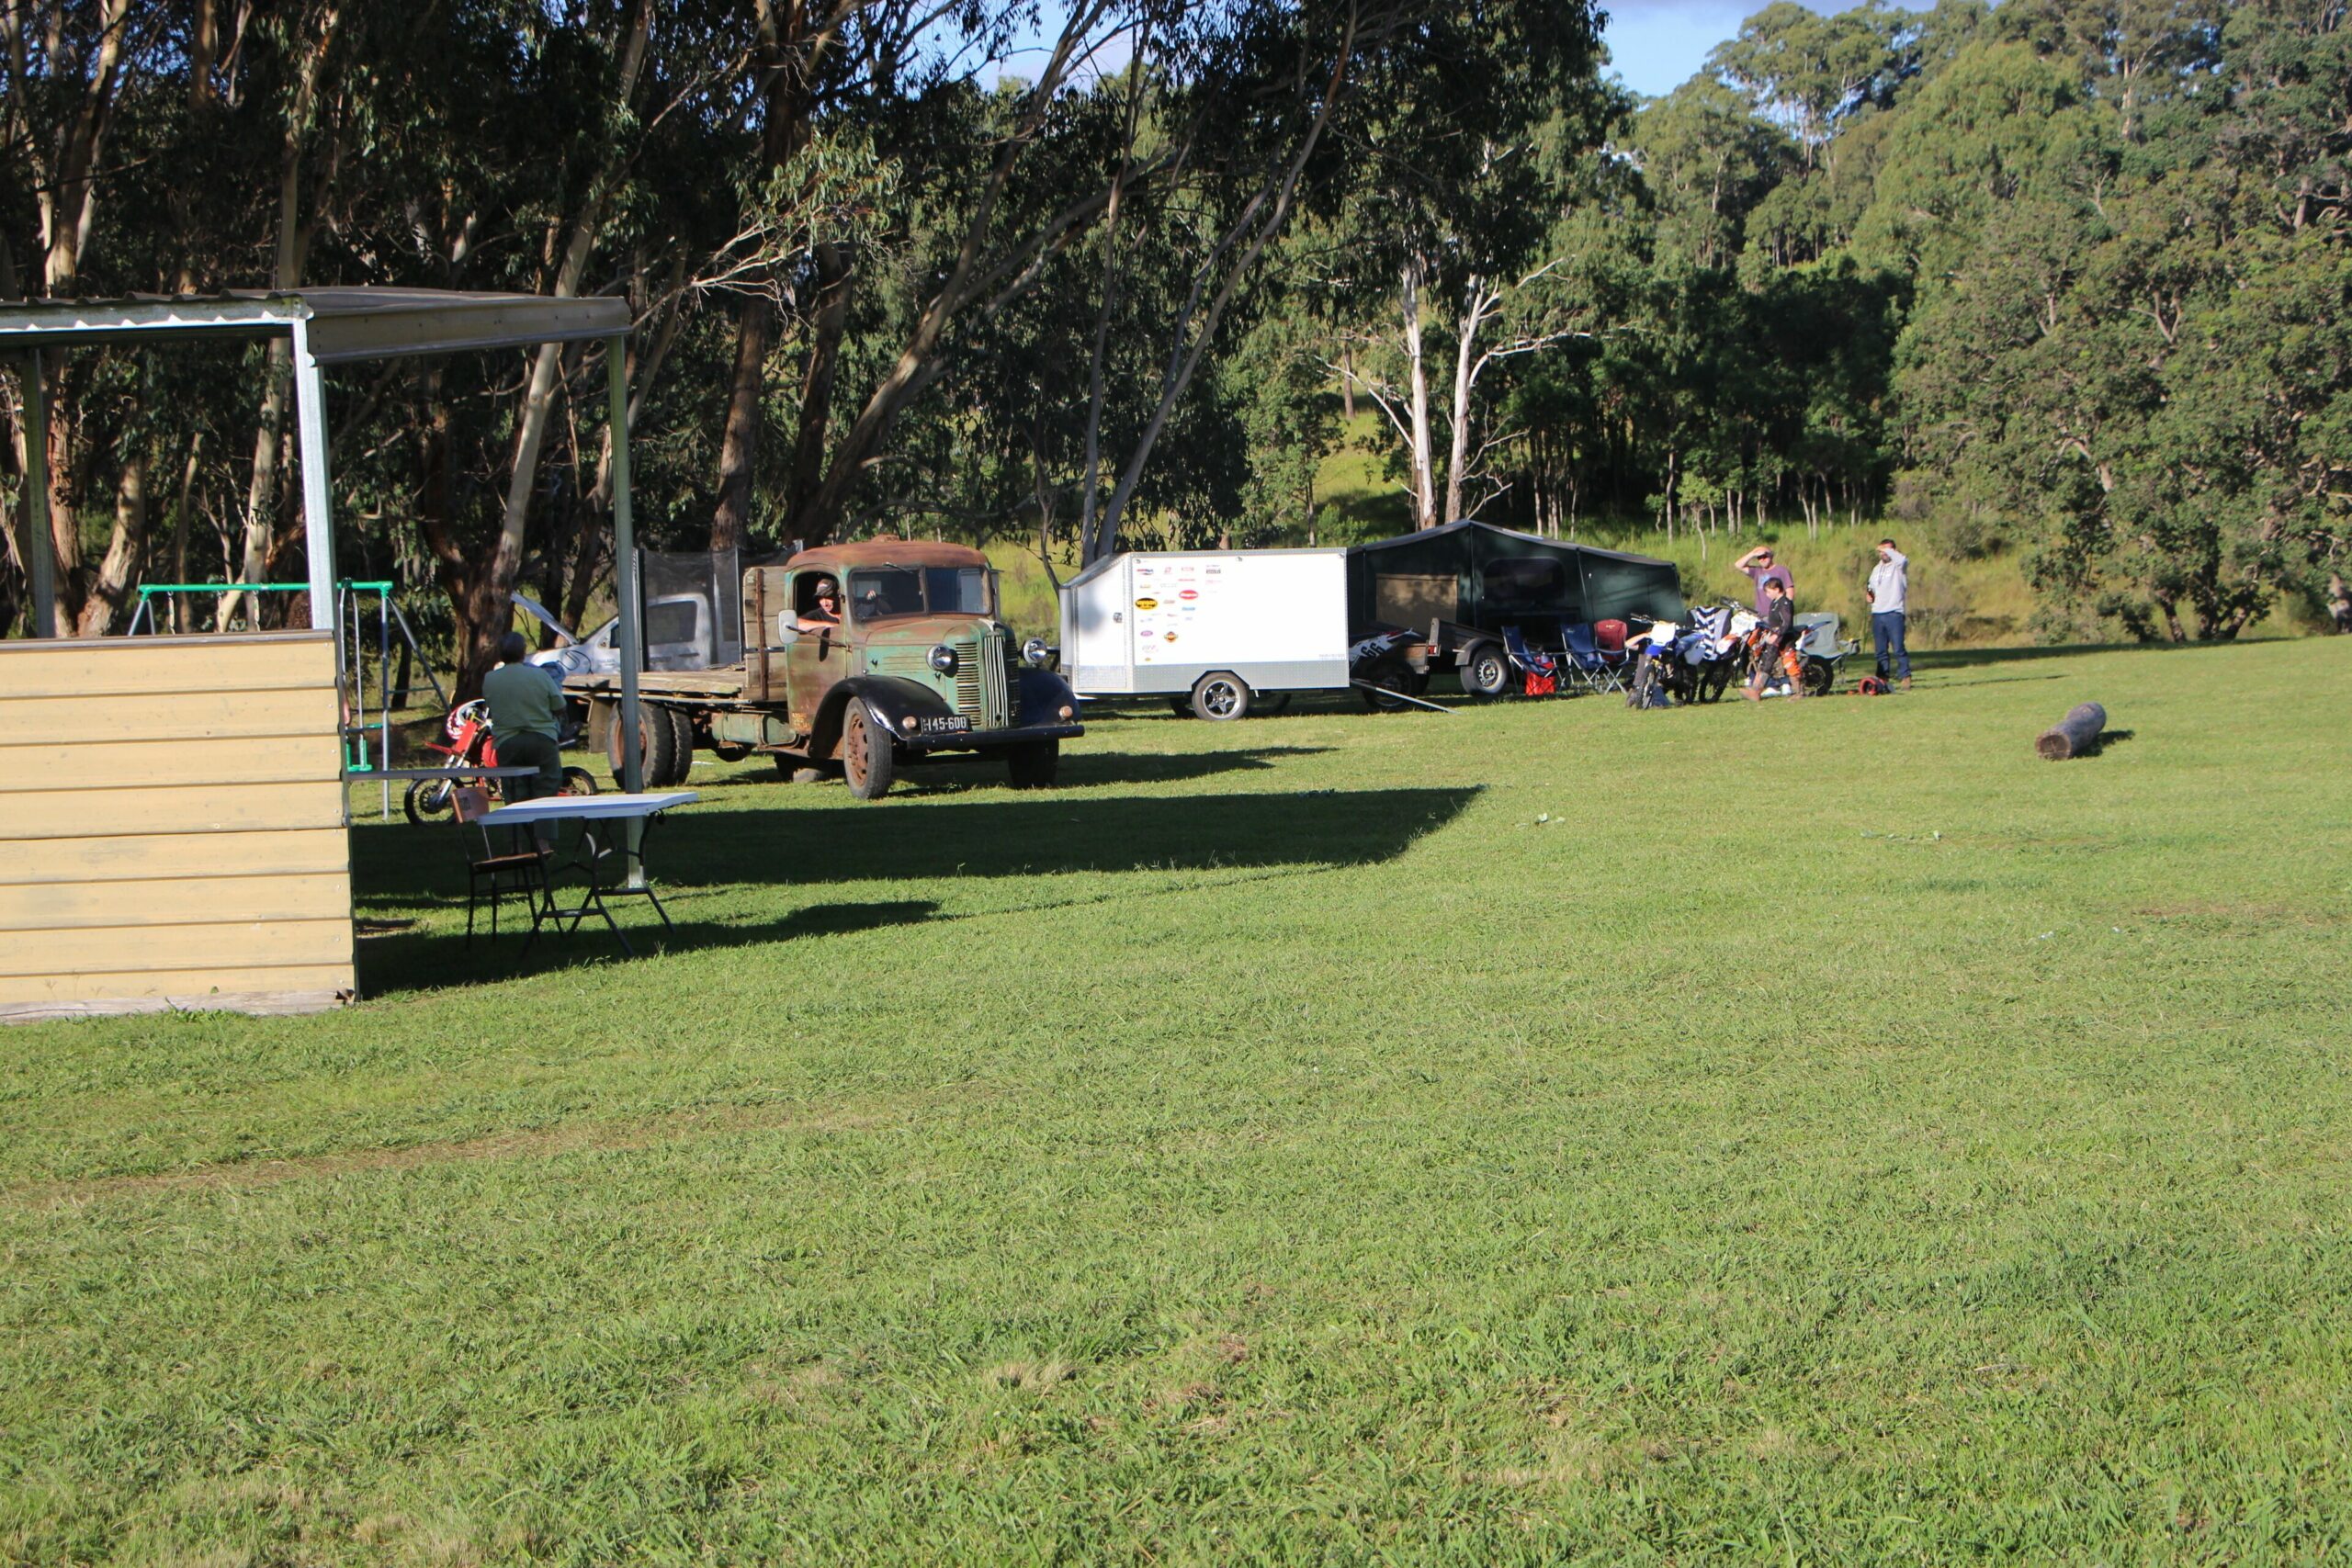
<point>1600,672</point>
<point>1541,669</point>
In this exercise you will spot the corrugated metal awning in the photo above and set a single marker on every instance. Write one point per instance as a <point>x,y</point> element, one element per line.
<point>342,324</point>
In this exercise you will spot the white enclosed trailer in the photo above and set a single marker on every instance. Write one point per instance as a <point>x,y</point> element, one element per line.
<point>1215,627</point>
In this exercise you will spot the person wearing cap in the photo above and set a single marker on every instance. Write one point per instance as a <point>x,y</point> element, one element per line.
<point>1757,564</point>
<point>1889,593</point>
<point>826,610</point>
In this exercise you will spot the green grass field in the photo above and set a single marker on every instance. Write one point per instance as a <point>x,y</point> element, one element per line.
<point>1815,1134</point>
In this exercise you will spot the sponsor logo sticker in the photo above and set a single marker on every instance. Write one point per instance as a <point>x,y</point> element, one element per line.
<point>1147,603</point>
<point>1189,593</point>
<point>1169,636</point>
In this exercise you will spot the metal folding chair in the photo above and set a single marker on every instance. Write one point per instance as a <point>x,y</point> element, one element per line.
<point>495,874</point>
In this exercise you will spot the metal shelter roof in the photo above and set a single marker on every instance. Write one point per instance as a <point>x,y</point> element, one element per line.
<point>341,324</point>
<point>332,326</point>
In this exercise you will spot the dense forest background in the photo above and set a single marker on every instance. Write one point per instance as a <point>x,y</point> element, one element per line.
<point>2064,281</point>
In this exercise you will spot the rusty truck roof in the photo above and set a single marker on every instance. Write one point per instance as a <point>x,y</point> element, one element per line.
<point>888,552</point>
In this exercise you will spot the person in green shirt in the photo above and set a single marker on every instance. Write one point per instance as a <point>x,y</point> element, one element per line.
<point>525,716</point>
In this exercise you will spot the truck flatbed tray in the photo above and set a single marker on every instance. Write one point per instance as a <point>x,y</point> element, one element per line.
<point>725,684</point>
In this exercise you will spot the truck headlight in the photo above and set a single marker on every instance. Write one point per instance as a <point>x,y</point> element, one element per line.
<point>1037,653</point>
<point>942,658</point>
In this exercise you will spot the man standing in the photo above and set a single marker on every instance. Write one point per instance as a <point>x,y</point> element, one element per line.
<point>1757,564</point>
<point>1890,592</point>
<point>525,716</point>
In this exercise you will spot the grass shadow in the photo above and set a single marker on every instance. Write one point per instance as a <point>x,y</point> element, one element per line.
<point>1144,767</point>
<point>409,961</point>
<point>408,871</point>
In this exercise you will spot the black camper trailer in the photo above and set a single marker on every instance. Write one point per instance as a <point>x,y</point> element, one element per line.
<point>1458,586</point>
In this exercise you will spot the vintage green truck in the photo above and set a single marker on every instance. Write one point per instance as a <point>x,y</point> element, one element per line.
<point>913,665</point>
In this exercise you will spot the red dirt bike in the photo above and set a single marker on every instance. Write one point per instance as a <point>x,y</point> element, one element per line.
<point>470,746</point>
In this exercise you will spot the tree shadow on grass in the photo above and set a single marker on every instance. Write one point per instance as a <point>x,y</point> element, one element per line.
<point>405,960</point>
<point>1143,767</point>
<point>400,869</point>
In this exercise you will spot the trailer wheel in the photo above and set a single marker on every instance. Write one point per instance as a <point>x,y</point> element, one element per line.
<point>867,756</point>
<point>657,745</point>
<point>1391,678</point>
<point>1034,763</point>
<point>578,781</point>
<point>1220,695</point>
<point>1486,671</point>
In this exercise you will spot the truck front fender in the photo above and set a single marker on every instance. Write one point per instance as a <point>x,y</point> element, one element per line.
<point>888,697</point>
<point>1040,697</point>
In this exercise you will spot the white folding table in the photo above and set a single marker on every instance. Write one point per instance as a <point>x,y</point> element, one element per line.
<point>588,810</point>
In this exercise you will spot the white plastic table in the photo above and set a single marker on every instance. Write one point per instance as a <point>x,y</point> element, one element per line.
<point>591,809</point>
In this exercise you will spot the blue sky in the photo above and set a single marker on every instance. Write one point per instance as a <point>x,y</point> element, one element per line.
<point>1658,45</point>
<point>1654,45</point>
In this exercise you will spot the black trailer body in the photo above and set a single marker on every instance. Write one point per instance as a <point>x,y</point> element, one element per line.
<point>1458,586</point>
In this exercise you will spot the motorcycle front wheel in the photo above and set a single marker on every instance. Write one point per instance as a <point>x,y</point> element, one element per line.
<point>426,799</point>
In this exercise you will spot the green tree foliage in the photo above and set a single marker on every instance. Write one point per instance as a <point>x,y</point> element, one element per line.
<point>2075,270</point>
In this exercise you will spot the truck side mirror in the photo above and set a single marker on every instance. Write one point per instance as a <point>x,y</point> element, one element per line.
<point>786,634</point>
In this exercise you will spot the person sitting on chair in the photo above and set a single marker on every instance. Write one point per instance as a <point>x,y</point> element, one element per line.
<point>1778,634</point>
<point>525,716</point>
<point>825,608</point>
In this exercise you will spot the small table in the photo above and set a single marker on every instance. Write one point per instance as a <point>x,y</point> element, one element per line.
<point>589,810</point>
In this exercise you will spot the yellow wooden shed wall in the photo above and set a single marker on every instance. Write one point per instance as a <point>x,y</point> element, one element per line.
<point>172,826</point>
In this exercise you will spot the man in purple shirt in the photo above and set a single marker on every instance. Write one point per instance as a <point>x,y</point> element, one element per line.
<point>1757,564</point>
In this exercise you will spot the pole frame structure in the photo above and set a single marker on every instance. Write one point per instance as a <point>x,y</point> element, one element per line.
<point>626,589</point>
<point>318,503</point>
<point>41,545</point>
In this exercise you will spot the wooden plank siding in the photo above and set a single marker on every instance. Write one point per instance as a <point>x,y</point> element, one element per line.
<point>172,825</point>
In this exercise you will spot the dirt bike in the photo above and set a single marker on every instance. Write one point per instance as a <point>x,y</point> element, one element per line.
<point>467,730</point>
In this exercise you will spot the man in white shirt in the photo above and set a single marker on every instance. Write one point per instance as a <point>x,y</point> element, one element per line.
<point>1889,593</point>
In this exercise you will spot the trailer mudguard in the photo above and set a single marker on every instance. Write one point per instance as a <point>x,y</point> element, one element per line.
<point>1040,697</point>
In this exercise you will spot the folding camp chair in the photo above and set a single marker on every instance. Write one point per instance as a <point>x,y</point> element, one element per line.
<point>1598,670</point>
<point>1541,669</point>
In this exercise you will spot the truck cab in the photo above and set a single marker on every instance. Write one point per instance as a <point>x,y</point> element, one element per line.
<point>911,664</point>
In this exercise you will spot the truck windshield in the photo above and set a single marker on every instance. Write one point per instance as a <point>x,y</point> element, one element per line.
<point>878,592</point>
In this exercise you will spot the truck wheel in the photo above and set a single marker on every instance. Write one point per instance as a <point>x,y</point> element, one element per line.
<point>729,754</point>
<point>1220,695</point>
<point>1486,671</point>
<point>1034,763</point>
<point>657,742</point>
<point>865,752</point>
<point>682,756</point>
<point>799,770</point>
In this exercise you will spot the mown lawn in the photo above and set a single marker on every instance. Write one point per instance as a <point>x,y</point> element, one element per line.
<point>1543,1133</point>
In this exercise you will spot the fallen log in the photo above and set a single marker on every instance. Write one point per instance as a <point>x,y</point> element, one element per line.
<point>2073,735</point>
